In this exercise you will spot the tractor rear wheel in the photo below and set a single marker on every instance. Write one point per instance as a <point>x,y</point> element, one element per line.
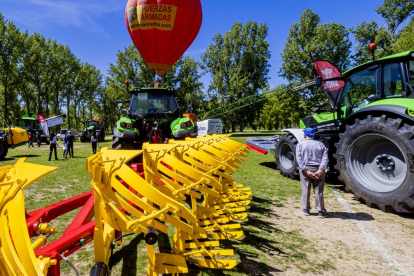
<point>119,144</point>
<point>285,155</point>
<point>3,149</point>
<point>376,162</point>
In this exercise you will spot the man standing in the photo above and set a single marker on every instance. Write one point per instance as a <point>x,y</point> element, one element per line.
<point>312,158</point>
<point>69,140</point>
<point>38,139</point>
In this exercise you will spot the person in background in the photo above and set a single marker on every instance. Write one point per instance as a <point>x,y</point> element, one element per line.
<point>38,138</point>
<point>30,139</point>
<point>312,158</point>
<point>65,147</point>
<point>53,145</point>
<point>70,139</point>
<point>93,142</point>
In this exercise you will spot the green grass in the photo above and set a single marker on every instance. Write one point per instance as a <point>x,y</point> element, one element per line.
<point>265,249</point>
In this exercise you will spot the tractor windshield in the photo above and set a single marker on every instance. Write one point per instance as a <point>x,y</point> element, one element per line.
<point>144,103</point>
<point>412,73</point>
<point>93,123</point>
<point>359,88</point>
<point>29,124</point>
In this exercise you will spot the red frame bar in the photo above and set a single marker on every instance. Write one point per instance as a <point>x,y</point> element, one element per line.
<point>259,150</point>
<point>82,227</point>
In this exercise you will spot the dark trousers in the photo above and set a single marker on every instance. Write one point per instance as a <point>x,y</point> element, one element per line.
<point>53,148</point>
<point>31,143</point>
<point>70,150</point>
<point>38,143</point>
<point>318,187</point>
<point>94,147</point>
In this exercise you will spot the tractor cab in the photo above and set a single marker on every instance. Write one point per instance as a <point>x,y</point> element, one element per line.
<point>389,79</point>
<point>153,103</point>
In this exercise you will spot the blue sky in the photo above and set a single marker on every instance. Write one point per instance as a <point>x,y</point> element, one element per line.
<point>95,29</point>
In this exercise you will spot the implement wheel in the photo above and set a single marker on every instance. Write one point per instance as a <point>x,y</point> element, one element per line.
<point>375,161</point>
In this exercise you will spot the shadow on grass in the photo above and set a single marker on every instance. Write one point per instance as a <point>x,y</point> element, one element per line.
<point>270,165</point>
<point>26,155</point>
<point>8,159</point>
<point>128,254</point>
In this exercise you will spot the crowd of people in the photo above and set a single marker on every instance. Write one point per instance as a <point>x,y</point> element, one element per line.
<point>53,143</point>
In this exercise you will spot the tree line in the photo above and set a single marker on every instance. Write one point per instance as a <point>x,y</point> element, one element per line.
<point>39,75</point>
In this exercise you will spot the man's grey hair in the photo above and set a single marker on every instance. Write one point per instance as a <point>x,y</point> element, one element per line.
<point>70,132</point>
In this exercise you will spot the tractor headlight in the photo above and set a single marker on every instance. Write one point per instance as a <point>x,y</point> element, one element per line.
<point>183,125</point>
<point>188,123</point>
<point>128,126</point>
<point>123,124</point>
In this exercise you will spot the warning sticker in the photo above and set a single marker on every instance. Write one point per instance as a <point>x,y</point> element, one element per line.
<point>150,16</point>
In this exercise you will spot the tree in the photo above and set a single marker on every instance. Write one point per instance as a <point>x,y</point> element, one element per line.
<point>405,41</point>
<point>12,43</point>
<point>130,65</point>
<point>395,12</point>
<point>307,41</point>
<point>366,33</point>
<point>238,64</point>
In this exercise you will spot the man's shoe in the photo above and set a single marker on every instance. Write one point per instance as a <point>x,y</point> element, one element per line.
<point>306,212</point>
<point>323,214</point>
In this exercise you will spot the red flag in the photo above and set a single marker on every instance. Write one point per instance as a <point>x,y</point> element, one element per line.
<point>41,118</point>
<point>326,71</point>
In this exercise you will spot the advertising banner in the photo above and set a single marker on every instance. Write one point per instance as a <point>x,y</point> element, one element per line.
<point>326,71</point>
<point>43,124</point>
<point>54,121</point>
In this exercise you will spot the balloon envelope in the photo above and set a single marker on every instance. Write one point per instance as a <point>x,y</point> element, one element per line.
<point>162,30</point>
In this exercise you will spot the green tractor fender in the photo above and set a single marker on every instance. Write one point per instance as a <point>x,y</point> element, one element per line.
<point>182,127</point>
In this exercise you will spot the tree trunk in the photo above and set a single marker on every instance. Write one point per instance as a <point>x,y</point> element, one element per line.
<point>233,127</point>
<point>68,114</point>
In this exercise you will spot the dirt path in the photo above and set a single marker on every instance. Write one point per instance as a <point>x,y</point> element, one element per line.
<point>356,239</point>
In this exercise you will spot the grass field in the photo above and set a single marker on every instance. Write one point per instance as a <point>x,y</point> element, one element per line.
<point>264,250</point>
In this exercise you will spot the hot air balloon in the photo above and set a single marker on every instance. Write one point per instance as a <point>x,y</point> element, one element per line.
<point>162,30</point>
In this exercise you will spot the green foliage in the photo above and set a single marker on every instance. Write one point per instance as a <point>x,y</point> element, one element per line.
<point>307,41</point>
<point>238,64</point>
<point>130,65</point>
<point>405,41</point>
<point>38,75</point>
<point>11,47</point>
<point>366,33</point>
<point>395,12</point>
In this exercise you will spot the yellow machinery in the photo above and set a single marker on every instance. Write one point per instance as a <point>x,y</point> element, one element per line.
<point>17,255</point>
<point>11,138</point>
<point>186,184</point>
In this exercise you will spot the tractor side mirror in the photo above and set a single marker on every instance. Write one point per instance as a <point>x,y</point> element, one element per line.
<point>119,105</point>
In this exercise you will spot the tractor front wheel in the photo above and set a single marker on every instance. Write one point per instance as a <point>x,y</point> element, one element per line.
<point>3,149</point>
<point>285,155</point>
<point>376,162</point>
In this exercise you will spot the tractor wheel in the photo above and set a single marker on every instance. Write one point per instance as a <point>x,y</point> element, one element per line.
<point>119,144</point>
<point>376,162</point>
<point>285,155</point>
<point>3,149</point>
<point>47,142</point>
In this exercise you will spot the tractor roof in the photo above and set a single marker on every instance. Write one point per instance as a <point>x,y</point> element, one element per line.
<point>136,89</point>
<point>369,63</point>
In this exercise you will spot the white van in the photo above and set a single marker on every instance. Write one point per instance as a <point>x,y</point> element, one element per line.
<point>211,126</point>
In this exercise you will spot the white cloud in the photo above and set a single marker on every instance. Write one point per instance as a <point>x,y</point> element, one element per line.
<point>78,13</point>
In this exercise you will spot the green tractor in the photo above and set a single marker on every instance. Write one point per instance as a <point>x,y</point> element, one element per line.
<point>96,126</point>
<point>153,116</point>
<point>30,122</point>
<point>369,132</point>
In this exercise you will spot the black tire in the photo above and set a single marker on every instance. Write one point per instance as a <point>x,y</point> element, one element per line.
<point>47,142</point>
<point>285,155</point>
<point>375,161</point>
<point>4,148</point>
<point>119,144</point>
